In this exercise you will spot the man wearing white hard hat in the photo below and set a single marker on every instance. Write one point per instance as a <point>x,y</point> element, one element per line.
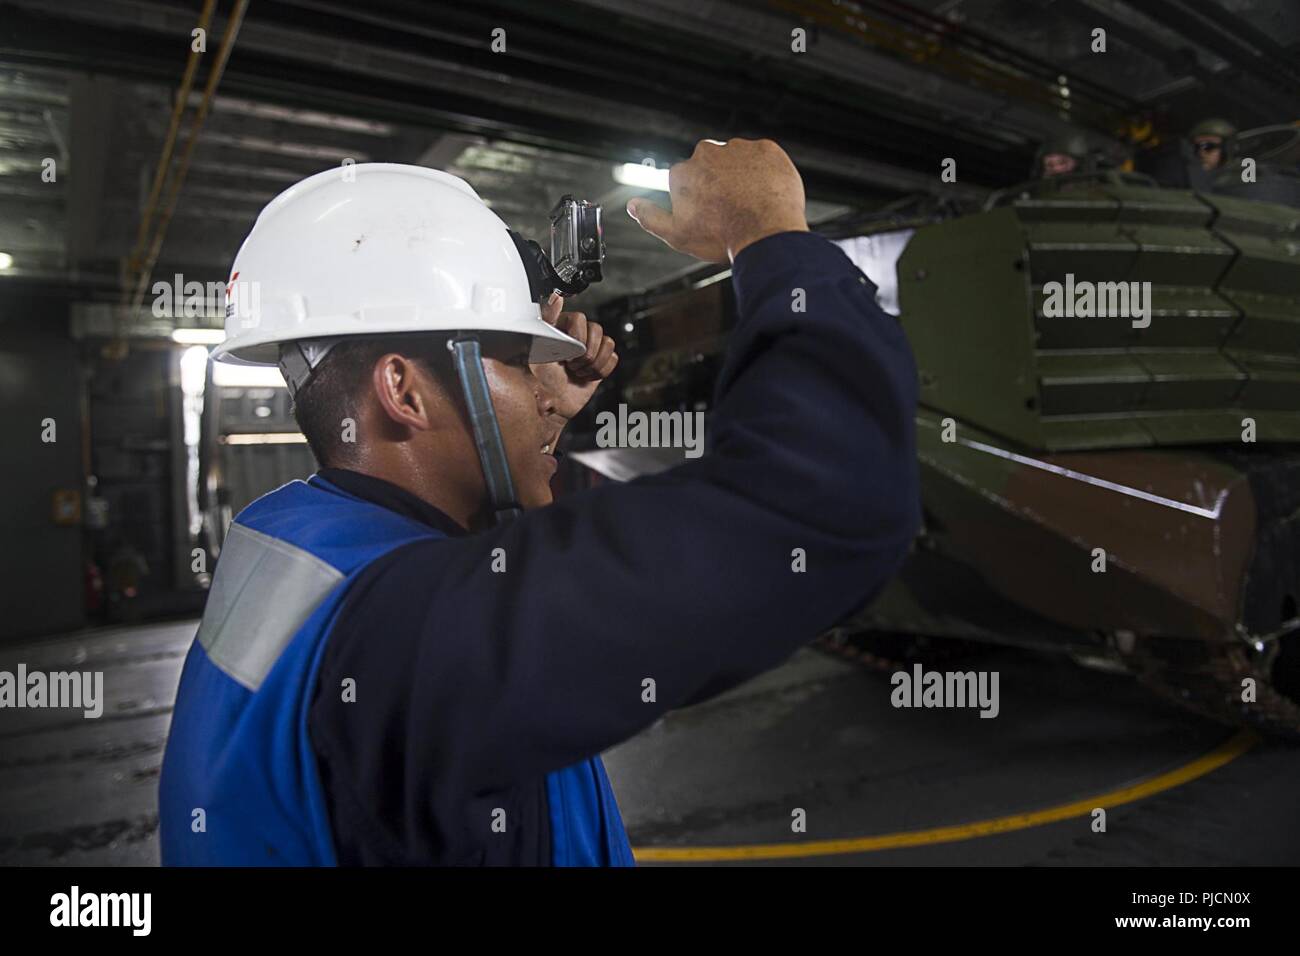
<point>415,657</point>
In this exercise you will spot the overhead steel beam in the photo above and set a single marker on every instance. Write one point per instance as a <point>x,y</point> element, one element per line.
<point>337,74</point>
<point>1277,58</point>
<point>1213,37</point>
<point>1190,72</point>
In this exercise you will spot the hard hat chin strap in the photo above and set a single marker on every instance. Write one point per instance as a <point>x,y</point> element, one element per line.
<point>299,359</point>
<point>467,356</point>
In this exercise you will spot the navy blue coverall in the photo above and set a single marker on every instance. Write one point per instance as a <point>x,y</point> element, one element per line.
<point>474,687</point>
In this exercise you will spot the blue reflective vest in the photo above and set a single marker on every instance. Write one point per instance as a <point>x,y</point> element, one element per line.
<point>239,782</point>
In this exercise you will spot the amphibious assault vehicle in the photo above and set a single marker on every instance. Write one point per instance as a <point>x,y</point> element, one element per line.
<point>1125,489</point>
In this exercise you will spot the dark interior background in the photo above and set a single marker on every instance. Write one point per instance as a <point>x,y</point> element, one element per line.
<point>885,91</point>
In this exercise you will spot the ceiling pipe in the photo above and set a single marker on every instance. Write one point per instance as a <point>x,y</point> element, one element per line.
<point>165,159</point>
<point>200,116</point>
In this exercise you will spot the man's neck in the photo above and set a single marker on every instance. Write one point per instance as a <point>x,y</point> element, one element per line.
<point>429,492</point>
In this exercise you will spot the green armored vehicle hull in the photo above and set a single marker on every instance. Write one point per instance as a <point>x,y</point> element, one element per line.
<point>1110,437</point>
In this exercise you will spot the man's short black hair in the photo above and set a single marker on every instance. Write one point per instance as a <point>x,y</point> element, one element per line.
<point>333,393</point>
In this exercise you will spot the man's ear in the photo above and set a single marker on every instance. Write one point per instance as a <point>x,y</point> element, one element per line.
<point>401,388</point>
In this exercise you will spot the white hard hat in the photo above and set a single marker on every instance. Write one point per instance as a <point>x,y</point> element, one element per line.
<point>377,248</point>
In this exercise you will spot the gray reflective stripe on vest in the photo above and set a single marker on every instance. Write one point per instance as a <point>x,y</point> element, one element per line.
<point>263,592</point>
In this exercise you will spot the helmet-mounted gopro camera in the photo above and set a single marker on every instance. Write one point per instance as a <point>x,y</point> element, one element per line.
<point>577,250</point>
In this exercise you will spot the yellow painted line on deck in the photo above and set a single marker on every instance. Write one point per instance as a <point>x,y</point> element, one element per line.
<point>1223,754</point>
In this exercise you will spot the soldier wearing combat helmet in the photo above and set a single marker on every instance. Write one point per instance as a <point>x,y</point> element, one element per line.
<point>1209,139</point>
